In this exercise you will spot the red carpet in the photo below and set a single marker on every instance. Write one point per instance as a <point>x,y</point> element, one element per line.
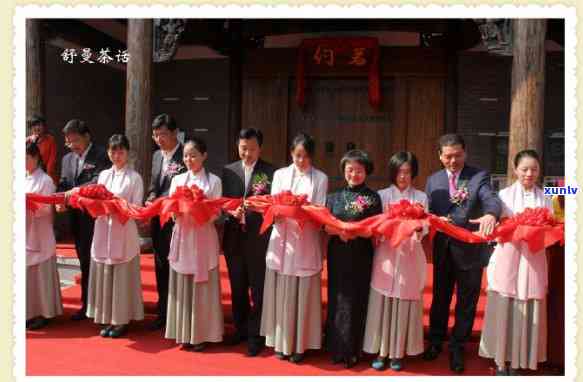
<point>75,348</point>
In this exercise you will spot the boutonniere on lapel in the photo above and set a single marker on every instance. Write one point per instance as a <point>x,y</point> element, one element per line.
<point>174,168</point>
<point>358,205</point>
<point>260,184</point>
<point>87,166</point>
<point>461,194</point>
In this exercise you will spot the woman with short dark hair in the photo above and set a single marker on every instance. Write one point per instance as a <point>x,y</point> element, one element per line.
<point>349,260</point>
<point>115,287</point>
<point>394,321</point>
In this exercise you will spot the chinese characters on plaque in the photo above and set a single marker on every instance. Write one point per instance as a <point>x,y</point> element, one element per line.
<point>358,55</point>
<point>329,56</point>
<point>87,56</point>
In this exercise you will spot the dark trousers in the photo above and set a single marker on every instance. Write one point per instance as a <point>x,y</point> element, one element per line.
<point>82,225</point>
<point>446,275</point>
<point>247,271</point>
<point>161,237</point>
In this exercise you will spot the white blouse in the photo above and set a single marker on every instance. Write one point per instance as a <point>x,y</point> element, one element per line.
<point>40,238</point>
<point>294,251</point>
<point>191,245</point>
<point>113,242</point>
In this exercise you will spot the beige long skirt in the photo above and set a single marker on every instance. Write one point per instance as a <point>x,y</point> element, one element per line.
<point>394,327</point>
<point>514,331</point>
<point>115,292</point>
<point>291,317</point>
<point>43,290</point>
<point>194,313</point>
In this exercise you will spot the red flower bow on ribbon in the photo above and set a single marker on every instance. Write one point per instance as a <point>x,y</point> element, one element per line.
<point>285,204</point>
<point>97,200</point>
<point>399,222</point>
<point>535,226</point>
<point>187,201</point>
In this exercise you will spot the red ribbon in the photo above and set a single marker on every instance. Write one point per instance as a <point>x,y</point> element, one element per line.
<point>537,227</point>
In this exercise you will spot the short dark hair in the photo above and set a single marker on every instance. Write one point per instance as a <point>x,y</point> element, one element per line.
<point>198,143</point>
<point>33,150</point>
<point>118,141</point>
<point>360,157</point>
<point>250,133</point>
<point>399,159</point>
<point>76,126</point>
<point>526,154</point>
<point>306,141</point>
<point>164,120</point>
<point>451,140</point>
<point>36,119</point>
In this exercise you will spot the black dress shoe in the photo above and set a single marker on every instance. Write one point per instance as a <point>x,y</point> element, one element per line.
<point>456,361</point>
<point>432,352</point>
<point>118,331</point>
<point>254,348</point>
<point>105,331</point>
<point>379,363</point>
<point>79,315</point>
<point>501,372</point>
<point>514,372</point>
<point>349,362</point>
<point>234,339</point>
<point>396,364</point>
<point>297,358</point>
<point>280,355</point>
<point>337,358</point>
<point>199,347</point>
<point>38,323</point>
<point>157,324</point>
<point>186,347</point>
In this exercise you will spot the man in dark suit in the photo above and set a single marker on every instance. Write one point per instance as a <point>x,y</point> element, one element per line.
<point>166,163</point>
<point>80,167</point>
<point>461,194</point>
<point>244,248</point>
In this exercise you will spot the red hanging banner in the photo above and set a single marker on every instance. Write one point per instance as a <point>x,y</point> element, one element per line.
<point>349,53</point>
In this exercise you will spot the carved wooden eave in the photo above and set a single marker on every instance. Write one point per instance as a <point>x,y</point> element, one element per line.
<point>496,35</point>
<point>167,33</point>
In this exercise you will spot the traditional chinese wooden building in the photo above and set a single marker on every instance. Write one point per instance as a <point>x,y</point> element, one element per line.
<point>216,76</point>
<point>381,85</point>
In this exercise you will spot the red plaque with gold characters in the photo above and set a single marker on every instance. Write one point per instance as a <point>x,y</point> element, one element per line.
<point>359,54</point>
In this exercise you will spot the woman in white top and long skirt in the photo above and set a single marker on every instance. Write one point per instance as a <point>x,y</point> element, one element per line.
<point>394,321</point>
<point>515,324</point>
<point>115,285</point>
<point>291,318</point>
<point>43,292</point>
<point>195,316</point>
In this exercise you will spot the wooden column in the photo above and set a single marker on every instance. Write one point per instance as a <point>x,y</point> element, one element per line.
<point>235,99</point>
<point>34,68</point>
<point>138,125</point>
<point>528,86</point>
<point>451,92</point>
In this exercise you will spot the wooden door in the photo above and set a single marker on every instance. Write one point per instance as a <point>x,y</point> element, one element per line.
<point>339,117</point>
